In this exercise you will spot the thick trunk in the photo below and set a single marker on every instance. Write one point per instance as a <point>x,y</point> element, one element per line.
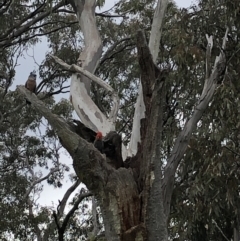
<point>120,205</point>
<point>150,170</point>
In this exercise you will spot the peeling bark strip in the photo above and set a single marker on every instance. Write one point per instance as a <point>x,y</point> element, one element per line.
<point>180,145</point>
<point>154,42</point>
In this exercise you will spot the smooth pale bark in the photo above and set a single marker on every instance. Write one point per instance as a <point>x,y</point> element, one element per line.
<point>86,109</point>
<point>105,124</point>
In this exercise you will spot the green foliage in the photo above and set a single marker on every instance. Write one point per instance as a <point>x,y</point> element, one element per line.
<point>206,191</point>
<point>100,3</point>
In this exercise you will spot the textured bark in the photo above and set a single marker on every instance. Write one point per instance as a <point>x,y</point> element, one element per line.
<point>140,109</point>
<point>150,170</point>
<point>116,190</point>
<point>120,205</point>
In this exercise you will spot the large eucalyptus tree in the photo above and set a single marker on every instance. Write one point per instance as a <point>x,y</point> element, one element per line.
<point>135,201</point>
<point>179,59</point>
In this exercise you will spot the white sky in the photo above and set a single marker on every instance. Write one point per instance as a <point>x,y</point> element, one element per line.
<point>50,196</point>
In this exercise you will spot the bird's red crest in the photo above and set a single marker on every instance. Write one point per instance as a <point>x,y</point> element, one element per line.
<point>99,135</point>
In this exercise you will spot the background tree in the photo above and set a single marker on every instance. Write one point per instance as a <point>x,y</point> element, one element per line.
<point>200,169</point>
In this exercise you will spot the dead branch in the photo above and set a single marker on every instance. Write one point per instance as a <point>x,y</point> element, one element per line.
<point>184,136</point>
<point>62,227</point>
<point>99,81</point>
<point>66,196</point>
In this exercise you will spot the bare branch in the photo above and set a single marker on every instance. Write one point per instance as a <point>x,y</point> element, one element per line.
<point>62,228</point>
<point>34,183</point>
<point>3,10</point>
<point>18,29</point>
<point>74,208</point>
<point>99,81</point>
<point>1,118</point>
<point>237,154</point>
<point>66,196</point>
<point>109,53</point>
<point>220,230</point>
<point>184,136</point>
<point>89,113</point>
<point>110,16</point>
<point>156,30</point>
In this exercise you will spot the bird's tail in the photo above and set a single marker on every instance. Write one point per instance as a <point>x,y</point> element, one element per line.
<point>28,102</point>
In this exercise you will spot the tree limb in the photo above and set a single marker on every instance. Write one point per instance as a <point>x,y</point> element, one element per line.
<point>81,196</point>
<point>34,183</point>
<point>89,58</point>
<point>184,136</point>
<point>156,30</point>
<point>66,196</point>
<point>18,30</point>
<point>208,54</point>
<point>85,155</point>
<point>109,53</point>
<point>140,109</point>
<point>75,68</point>
<point>220,230</point>
<point>154,93</point>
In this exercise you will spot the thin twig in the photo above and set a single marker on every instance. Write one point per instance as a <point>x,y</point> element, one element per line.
<point>220,230</point>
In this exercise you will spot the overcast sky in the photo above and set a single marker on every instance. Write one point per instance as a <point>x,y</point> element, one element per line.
<point>50,195</point>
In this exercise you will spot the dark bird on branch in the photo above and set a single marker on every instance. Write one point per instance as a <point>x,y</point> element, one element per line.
<point>98,143</point>
<point>110,145</point>
<point>113,148</point>
<point>31,84</point>
<point>83,131</point>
